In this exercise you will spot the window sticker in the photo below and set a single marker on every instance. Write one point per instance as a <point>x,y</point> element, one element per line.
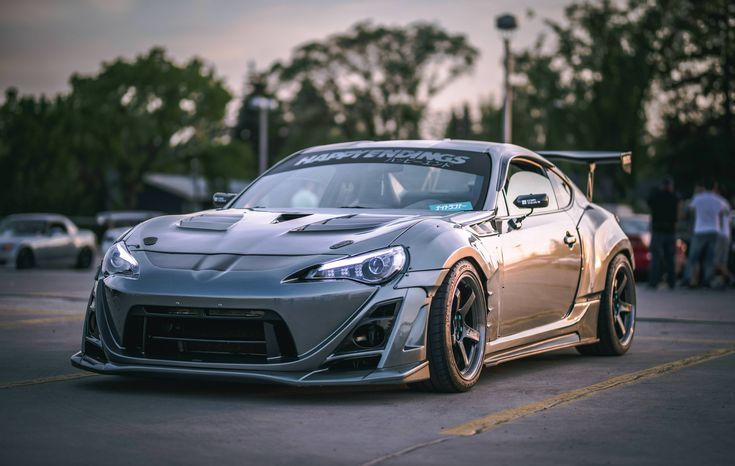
<point>451,207</point>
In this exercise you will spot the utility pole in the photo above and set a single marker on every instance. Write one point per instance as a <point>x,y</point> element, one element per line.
<point>506,24</point>
<point>263,104</point>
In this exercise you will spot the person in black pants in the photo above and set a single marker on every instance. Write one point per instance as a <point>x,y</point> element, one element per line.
<point>664,205</point>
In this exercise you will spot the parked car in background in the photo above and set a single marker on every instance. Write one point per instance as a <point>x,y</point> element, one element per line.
<point>118,222</point>
<point>638,229</point>
<point>45,240</point>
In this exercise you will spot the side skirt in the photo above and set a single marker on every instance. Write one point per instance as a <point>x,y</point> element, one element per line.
<point>543,346</point>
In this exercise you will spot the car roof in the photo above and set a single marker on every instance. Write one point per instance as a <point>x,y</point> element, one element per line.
<point>38,216</point>
<point>503,152</point>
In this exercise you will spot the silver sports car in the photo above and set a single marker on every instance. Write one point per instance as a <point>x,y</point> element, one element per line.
<point>414,262</point>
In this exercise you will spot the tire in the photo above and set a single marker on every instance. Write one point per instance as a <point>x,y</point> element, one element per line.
<point>616,319</point>
<point>84,258</point>
<point>456,333</point>
<point>25,259</point>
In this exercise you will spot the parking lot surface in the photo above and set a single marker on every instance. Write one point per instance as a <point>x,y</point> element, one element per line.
<point>670,400</point>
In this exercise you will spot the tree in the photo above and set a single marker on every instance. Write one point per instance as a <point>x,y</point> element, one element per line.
<point>308,121</point>
<point>696,85</point>
<point>460,124</point>
<point>127,120</point>
<point>37,168</point>
<point>376,80</point>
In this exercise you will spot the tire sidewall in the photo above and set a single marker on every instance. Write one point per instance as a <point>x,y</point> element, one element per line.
<point>607,317</point>
<point>461,270</point>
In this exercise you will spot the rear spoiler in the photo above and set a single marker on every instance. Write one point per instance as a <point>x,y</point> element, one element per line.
<point>592,158</point>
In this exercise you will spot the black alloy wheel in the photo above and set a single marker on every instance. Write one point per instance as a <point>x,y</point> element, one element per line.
<point>457,330</point>
<point>616,320</point>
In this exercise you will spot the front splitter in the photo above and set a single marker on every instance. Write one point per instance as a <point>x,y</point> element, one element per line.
<point>396,375</point>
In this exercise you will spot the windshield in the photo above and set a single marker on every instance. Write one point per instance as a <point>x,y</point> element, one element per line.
<point>374,179</point>
<point>22,227</point>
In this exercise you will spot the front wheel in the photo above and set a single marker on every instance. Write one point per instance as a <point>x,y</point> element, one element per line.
<point>456,339</point>
<point>25,259</point>
<point>616,320</point>
<point>84,258</point>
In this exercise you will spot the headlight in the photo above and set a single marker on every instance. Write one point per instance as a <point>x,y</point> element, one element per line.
<point>371,268</point>
<point>119,261</point>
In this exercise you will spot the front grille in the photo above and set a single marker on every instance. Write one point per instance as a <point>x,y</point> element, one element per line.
<point>241,336</point>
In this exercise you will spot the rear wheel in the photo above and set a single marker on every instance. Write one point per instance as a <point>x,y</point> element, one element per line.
<point>456,339</point>
<point>616,320</point>
<point>25,259</point>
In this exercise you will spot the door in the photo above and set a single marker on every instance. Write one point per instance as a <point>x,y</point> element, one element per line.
<point>541,254</point>
<point>60,245</point>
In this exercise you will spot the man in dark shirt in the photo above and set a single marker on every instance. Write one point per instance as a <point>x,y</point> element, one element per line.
<point>664,205</point>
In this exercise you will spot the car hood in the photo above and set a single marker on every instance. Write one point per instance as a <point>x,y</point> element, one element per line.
<point>237,231</point>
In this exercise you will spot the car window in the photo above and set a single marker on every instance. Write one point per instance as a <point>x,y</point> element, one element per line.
<point>22,227</point>
<point>56,228</point>
<point>561,188</point>
<point>528,178</point>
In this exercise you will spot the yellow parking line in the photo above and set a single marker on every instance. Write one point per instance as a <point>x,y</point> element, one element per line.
<point>491,421</point>
<point>675,339</point>
<point>53,378</point>
<point>40,320</point>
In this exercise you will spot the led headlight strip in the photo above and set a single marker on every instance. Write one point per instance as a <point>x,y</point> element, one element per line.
<point>372,268</point>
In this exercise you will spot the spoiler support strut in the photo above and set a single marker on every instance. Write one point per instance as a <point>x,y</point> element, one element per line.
<point>592,158</point>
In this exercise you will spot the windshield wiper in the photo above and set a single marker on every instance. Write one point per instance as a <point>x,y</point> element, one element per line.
<point>354,207</point>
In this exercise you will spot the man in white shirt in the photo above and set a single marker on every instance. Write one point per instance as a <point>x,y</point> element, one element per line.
<point>722,249</point>
<point>709,212</point>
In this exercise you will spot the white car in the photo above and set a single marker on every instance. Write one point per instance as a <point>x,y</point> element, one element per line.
<point>45,240</point>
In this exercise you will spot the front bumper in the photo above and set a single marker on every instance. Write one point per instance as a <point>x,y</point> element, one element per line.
<point>321,316</point>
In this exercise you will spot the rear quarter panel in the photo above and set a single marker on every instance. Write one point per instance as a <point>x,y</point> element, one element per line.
<point>602,239</point>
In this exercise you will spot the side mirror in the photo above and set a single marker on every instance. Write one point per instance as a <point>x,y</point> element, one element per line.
<point>531,201</point>
<point>221,199</point>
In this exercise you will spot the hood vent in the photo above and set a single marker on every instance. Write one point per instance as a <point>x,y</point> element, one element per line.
<point>210,222</point>
<point>350,223</point>
<point>286,217</point>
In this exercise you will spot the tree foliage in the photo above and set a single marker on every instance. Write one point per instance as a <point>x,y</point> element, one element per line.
<point>654,77</point>
<point>127,119</point>
<point>88,150</point>
<point>376,81</point>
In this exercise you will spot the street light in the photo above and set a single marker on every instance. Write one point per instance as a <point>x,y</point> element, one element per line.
<point>506,24</point>
<point>263,104</point>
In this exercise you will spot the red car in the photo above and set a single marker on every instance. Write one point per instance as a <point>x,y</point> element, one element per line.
<point>638,229</point>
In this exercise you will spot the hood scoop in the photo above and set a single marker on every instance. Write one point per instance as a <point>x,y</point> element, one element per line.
<point>287,217</point>
<point>357,222</point>
<point>210,222</point>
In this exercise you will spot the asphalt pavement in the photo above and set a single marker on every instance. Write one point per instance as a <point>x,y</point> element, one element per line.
<point>670,400</point>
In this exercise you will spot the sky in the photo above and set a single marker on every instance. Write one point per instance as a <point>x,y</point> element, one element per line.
<point>42,42</point>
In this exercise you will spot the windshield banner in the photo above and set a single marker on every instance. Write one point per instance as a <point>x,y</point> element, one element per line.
<point>453,160</point>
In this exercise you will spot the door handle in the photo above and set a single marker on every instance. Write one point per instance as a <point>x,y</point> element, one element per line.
<point>570,239</point>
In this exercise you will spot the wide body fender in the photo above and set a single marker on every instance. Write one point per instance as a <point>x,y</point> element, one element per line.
<point>602,240</point>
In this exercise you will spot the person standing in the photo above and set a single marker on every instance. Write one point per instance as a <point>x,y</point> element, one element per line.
<point>664,206</point>
<point>722,248</point>
<point>709,212</point>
